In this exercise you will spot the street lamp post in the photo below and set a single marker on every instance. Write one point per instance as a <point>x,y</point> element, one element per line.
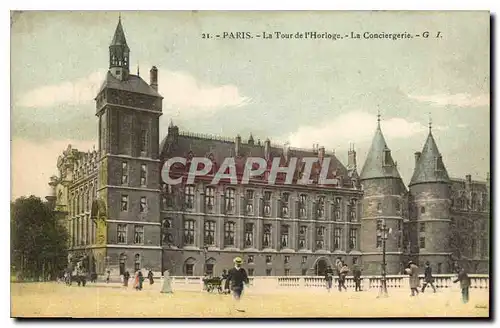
<point>205,252</point>
<point>383,285</point>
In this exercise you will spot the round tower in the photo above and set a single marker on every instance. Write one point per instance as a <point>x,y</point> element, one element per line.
<point>430,207</point>
<point>384,192</point>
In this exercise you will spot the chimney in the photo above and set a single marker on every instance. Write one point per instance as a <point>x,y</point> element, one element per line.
<point>286,148</point>
<point>237,143</point>
<point>267,149</point>
<point>321,153</point>
<point>468,178</point>
<point>417,157</point>
<point>153,77</point>
<point>351,158</point>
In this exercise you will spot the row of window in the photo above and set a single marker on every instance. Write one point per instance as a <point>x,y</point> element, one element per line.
<point>143,174</point>
<point>476,202</point>
<point>122,234</point>
<point>80,200</point>
<point>83,170</point>
<point>189,270</point>
<point>81,232</point>
<point>143,204</point>
<point>209,230</point>
<point>228,203</point>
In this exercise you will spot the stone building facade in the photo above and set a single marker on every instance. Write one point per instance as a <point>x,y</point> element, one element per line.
<point>121,215</point>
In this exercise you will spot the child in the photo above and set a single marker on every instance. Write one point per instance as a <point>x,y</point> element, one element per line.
<point>463,277</point>
<point>237,277</point>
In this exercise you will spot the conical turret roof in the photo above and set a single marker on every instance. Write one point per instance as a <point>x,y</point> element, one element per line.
<point>119,37</point>
<point>379,162</point>
<point>430,167</point>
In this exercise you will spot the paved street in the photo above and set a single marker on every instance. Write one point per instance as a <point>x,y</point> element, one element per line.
<point>101,300</point>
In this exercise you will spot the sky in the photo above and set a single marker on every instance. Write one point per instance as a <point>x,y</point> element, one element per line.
<point>299,91</point>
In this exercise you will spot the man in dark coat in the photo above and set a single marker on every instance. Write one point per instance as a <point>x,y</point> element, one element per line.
<point>329,278</point>
<point>428,278</point>
<point>225,281</point>
<point>356,273</point>
<point>237,277</point>
<point>464,279</point>
<point>150,277</point>
<point>126,277</point>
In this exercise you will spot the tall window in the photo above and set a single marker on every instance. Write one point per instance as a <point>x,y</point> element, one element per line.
<point>287,272</point>
<point>422,242</point>
<point>229,234</point>
<point>353,210</point>
<point>248,234</point>
<point>320,231</point>
<point>144,174</point>
<point>284,236</point>
<point>302,237</point>
<point>209,232</point>
<point>337,205</point>
<point>124,206</point>
<point>353,239</point>
<point>122,234</point>
<point>138,234</point>
<point>267,203</point>
<point>143,205</point>
<point>422,226</point>
<point>189,197</point>
<point>144,140</point>
<point>189,269</point>
<point>336,238</point>
<point>266,237</point>
<point>137,262</point>
<point>287,259</point>
<point>302,205</point>
<point>320,207</point>
<point>124,172</point>
<point>209,198</point>
<point>284,204</point>
<point>189,232</point>
<point>249,202</point>
<point>167,234</point>
<point>320,244</point>
<point>250,259</point>
<point>229,200</point>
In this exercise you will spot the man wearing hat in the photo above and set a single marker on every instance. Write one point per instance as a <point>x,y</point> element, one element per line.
<point>428,278</point>
<point>414,279</point>
<point>237,277</point>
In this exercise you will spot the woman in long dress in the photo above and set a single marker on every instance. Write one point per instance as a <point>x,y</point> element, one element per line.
<point>167,283</point>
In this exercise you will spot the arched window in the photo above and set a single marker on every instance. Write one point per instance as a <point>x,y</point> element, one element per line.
<point>189,266</point>
<point>422,210</point>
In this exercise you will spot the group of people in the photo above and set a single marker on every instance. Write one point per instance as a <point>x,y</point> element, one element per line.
<point>341,271</point>
<point>138,281</point>
<point>413,271</point>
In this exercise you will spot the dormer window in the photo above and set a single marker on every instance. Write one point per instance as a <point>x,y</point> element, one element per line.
<point>387,157</point>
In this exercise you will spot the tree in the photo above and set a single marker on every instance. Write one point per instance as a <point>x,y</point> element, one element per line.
<point>38,240</point>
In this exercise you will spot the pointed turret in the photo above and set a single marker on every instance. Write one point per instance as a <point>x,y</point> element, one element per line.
<point>379,162</point>
<point>429,166</point>
<point>119,54</point>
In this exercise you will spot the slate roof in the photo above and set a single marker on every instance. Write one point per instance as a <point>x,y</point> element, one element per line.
<point>133,83</point>
<point>220,148</point>
<point>119,36</point>
<point>430,166</point>
<point>373,166</point>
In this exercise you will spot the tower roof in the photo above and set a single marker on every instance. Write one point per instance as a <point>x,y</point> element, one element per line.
<point>430,167</point>
<point>379,162</point>
<point>119,37</point>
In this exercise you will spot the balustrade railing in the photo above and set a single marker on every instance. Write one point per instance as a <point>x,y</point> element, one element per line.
<point>478,281</point>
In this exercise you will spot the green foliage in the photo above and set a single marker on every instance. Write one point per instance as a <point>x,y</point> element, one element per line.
<point>38,240</point>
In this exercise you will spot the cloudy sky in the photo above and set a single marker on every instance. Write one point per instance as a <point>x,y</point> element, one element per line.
<point>301,91</point>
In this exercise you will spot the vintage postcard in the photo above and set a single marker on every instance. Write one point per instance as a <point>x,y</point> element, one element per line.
<point>197,164</point>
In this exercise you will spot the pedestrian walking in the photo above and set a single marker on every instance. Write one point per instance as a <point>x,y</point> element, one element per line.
<point>342,277</point>
<point>167,283</point>
<point>356,273</point>
<point>108,276</point>
<point>126,277</point>
<point>237,277</point>
<point>464,280</point>
<point>329,278</point>
<point>428,278</point>
<point>412,271</point>
<point>150,277</point>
